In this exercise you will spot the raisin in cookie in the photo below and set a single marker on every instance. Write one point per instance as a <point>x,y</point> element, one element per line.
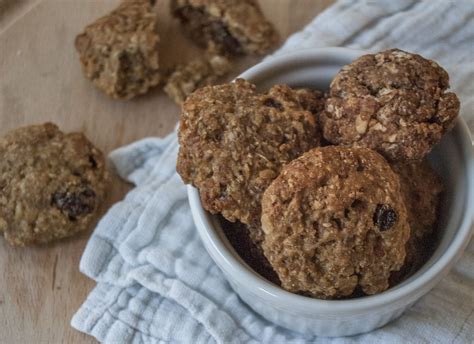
<point>51,184</point>
<point>119,52</point>
<point>421,189</point>
<point>234,141</point>
<point>393,101</point>
<point>334,221</point>
<point>231,27</point>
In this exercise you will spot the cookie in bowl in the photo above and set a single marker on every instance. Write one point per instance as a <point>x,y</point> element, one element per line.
<point>422,190</point>
<point>394,102</point>
<point>51,184</point>
<point>234,141</point>
<point>334,221</point>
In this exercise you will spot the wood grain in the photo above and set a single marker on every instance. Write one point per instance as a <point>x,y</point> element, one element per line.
<point>41,80</point>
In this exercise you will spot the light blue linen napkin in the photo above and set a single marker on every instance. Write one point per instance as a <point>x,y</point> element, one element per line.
<point>155,281</point>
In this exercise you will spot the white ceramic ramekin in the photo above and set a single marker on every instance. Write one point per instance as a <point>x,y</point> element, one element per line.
<point>452,158</point>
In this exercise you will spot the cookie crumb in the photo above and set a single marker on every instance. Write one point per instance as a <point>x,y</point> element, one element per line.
<point>185,79</point>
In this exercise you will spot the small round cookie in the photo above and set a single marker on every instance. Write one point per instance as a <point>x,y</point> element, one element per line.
<point>234,141</point>
<point>335,222</point>
<point>421,189</point>
<point>393,102</point>
<point>51,184</point>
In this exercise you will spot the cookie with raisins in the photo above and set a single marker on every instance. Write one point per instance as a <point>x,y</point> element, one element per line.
<point>51,184</point>
<point>335,222</point>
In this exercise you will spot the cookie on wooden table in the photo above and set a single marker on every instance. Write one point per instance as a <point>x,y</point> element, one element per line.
<point>51,184</point>
<point>231,27</point>
<point>234,141</point>
<point>119,52</point>
<point>334,222</point>
<point>393,102</point>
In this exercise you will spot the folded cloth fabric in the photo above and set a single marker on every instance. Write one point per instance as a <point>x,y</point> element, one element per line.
<point>155,281</point>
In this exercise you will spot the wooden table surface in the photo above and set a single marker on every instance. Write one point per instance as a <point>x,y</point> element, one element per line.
<point>41,80</point>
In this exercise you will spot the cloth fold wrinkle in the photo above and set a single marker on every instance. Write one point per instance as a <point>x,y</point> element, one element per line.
<point>157,284</point>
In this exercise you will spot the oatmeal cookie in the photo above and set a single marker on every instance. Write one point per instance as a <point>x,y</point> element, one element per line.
<point>119,52</point>
<point>393,101</point>
<point>334,222</point>
<point>187,78</point>
<point>231,27</point>
<point>421,189</point>
<point>51,184</point>
<point>234,141</point>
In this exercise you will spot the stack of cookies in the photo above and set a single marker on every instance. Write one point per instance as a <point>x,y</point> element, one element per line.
<point>328,195</point>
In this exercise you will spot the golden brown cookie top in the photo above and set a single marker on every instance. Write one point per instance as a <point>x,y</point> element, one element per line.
<point>234,141</point>
<point>393,101</point>
<point>229,27</point>
<point>51,184</point>
<point>335,221</point>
